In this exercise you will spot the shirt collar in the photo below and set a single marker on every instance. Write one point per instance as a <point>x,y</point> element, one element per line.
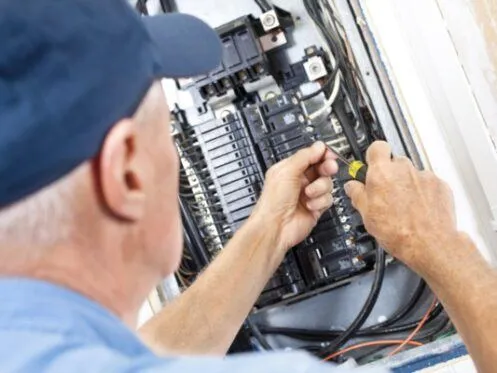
<point>47,307</point>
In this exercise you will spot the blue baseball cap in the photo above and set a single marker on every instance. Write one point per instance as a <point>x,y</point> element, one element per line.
<point>69,70</point>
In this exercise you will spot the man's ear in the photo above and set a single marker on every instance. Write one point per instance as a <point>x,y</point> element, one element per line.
<point>121,178</point>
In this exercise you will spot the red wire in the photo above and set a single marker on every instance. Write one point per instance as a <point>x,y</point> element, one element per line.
<point>372,343</point>
<point>418,328</point>
<point>401,343</point>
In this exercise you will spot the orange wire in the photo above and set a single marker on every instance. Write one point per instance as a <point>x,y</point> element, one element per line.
<point>418,328</point>
<point>372,343</point>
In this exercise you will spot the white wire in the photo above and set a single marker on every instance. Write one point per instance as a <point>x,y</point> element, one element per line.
<point>329,102</point>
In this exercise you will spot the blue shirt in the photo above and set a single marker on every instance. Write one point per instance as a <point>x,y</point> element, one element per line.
<point>47,328</point>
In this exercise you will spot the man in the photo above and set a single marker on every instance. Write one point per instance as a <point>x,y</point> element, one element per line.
<point>89,221</point>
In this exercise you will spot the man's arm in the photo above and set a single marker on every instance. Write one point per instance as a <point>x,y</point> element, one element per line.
<point>411,214</point>
<point>206,318</point>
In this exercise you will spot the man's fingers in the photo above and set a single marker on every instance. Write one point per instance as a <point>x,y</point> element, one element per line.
<point>378,152</point>
<point>329,167</point>
<point>330,155</point>
<point>307,157</point>
<point>321,203</point>
<point>323,185</point>
<point>357,194</point>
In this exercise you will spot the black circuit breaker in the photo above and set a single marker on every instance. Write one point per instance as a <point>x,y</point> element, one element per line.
<point>243,60</point>
<point>232,165</point>
<point>238,149</point>
<point>279,129</point>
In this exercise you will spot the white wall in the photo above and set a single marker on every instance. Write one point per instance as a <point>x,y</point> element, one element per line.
<point>438,100</point>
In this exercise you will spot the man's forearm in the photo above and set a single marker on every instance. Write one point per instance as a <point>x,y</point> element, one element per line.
<point>206,318</point>
<point>467,286</point>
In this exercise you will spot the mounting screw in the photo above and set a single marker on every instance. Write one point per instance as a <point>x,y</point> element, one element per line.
<point>315,68</point>
<point>269,20</point>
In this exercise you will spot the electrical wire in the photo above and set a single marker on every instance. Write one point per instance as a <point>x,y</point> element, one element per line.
<point>316,10</point>
<point>348,131</point>
<point>256,333</point>
<point>326,85</point>
<point>330,101</point>
<point>387,342</point>
<point>418,328</point>
<point>366,308</point>
<point>167,6</point>
<point>409,326</point>
<point>325,335</point>
<point>263,5</point>
<point>425,337</point>
<point>403,310</point>
<point>141,6</point>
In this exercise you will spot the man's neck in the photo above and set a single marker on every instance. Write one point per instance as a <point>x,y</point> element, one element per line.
<point>90,277</point>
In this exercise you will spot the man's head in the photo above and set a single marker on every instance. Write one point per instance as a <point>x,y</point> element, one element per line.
<point>88,167</point>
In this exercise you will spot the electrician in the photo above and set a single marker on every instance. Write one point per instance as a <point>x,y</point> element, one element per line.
<point>89,219</point>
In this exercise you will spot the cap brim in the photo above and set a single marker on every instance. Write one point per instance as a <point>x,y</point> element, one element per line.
<point>186,46</point>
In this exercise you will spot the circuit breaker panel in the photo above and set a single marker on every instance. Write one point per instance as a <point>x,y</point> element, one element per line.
<point>256,109</point>
<point>294,72</point>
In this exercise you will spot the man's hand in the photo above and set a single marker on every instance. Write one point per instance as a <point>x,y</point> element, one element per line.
<point>206,318</point>
<point>411,214</point>
<point>408,211</point>
<point>296,192</point>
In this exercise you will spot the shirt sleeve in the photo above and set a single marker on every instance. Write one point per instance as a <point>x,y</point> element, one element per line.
<point>294,362</point>
<point>77,358</point>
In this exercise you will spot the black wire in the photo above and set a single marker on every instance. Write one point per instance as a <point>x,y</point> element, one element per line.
<point>263,5</point>
<point>192,237</point>
<point>141,6</point>
<point>427,335</point>
<point>256,333</point>
<point>400,328</point>
<point>167,6</point>
<point>366,308</point>
<point>358,76</point>
<point>403,310</point>
<point>348,131</point>
<point>334,43</point>
<point>323,88</point>
<point>325,335</point>
<point>315,14</point>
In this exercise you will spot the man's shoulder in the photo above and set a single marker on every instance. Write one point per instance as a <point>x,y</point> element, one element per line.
<point>44,328</point>
<point>54,354</point>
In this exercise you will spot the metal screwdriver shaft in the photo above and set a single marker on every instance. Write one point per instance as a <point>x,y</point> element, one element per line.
<point>356,169</point>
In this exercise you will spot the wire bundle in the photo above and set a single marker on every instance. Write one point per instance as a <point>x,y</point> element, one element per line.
<point>141,6</point>
<point>418,330</point>
<point>350,80</point>
<point>263,5</point>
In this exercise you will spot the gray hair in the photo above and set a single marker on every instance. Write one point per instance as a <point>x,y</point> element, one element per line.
<point>43,219</point>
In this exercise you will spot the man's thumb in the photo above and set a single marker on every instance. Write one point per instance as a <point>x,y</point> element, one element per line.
<point>308,157</point>
<point>357,194</point>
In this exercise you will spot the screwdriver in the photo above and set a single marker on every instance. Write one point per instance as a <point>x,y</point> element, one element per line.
<point>356,169</point>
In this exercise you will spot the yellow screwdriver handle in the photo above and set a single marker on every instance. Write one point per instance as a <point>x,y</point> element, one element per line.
<point>358,171</point>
